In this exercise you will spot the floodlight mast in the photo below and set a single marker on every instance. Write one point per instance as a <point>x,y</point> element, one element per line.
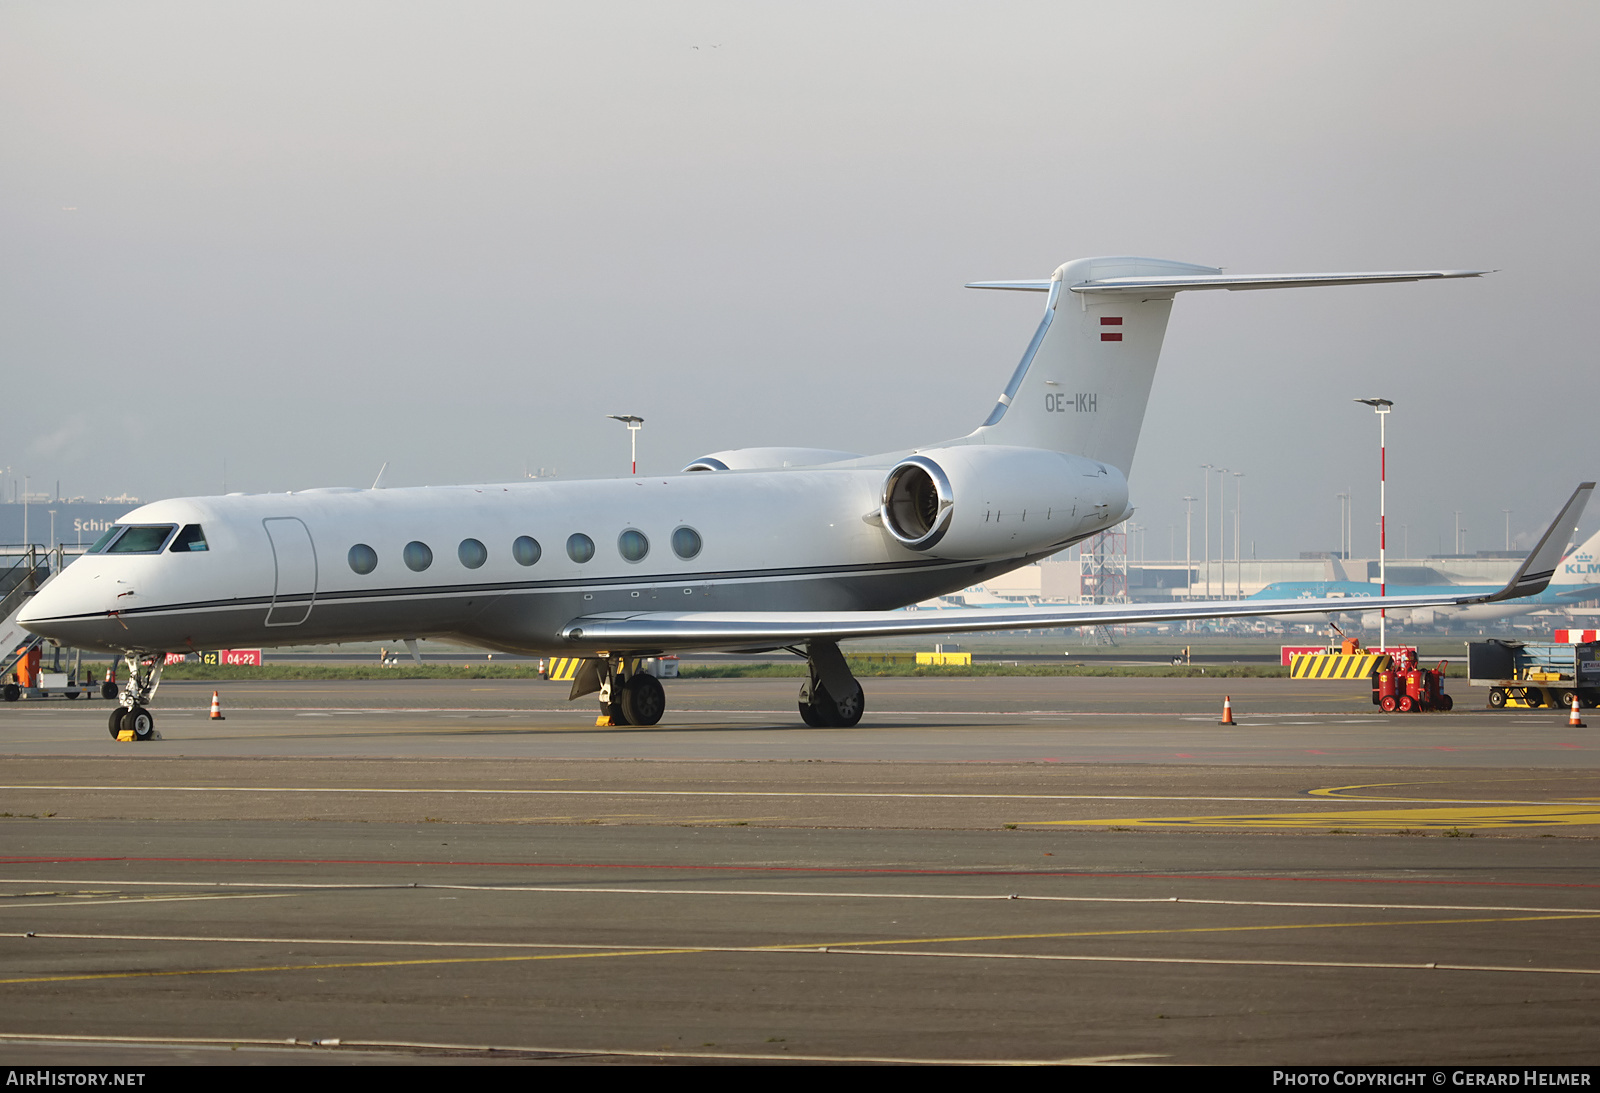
<point>1382,406</point>
<point>634,423</point>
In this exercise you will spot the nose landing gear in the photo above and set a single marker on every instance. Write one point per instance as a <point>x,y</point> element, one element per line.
<point>144,676</point>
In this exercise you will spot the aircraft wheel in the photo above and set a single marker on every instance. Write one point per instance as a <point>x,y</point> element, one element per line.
<point>108,690</point>
<point>142,722</point>
<point>808,712</point>
<point>821,710</point>
<point>11,692</point>
<point>116,721</point>
<point>644,700</point>
<point>1388,704</point>
<point>837,713</point>
<point>1405,704</point>
<point>1497,698</point>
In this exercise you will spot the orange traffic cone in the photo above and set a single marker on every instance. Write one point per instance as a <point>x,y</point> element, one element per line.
<point>216,707</point>
<point>1575,722</point>
<point>1227,711</point>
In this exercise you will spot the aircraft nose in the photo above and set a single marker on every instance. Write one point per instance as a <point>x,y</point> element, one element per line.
<point>70,610</point>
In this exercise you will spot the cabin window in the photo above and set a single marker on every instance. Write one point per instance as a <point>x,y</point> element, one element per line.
<point>142,540</point>
<point>526,550</point>
<point>363,559</point>
<point>190,538</point>
<point>633,545</point>
<point>472,553</point>
<point>110,534</point>
<point>580,548</point>
<point>686,543</point>
<point>417,556</point>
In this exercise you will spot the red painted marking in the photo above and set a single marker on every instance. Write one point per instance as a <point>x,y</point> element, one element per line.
<point>1110,320</point>
<point>1116,337</point>
<point>1184,755</point>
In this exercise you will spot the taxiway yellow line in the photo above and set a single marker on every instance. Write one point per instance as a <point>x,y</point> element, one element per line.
<point>775,949</point>
<point>1543,815</point>
<point>476,791</point>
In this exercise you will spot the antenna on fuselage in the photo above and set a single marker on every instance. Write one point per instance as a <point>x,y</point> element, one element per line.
<point>377,483</point>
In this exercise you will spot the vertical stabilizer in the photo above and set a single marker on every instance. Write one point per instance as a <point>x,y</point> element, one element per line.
<point>1581,567</point>
<point>1083,383</point>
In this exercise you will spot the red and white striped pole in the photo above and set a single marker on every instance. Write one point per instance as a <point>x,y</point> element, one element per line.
<point>1382,406</point>
<point>633,422</point>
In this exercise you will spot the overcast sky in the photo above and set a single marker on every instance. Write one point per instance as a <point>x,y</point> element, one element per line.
<point>302,240</point>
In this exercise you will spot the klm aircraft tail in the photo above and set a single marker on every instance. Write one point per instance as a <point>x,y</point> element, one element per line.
<point>1084,381</point>
<point>1580,567</point>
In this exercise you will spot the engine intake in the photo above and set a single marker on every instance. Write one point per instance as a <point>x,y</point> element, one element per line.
<point>917,503</point>
<point>994,501</point>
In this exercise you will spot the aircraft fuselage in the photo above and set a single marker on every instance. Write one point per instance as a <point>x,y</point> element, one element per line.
<point>506,566</point>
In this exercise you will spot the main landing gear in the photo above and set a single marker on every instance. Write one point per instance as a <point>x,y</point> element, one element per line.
<point>830,698</point>
<point>144,676</point>
<point>628,696</point>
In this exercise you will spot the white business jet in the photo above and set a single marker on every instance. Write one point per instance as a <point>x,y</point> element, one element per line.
<point>759,548</point>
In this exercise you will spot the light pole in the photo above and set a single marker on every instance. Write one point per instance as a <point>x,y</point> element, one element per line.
<point>1222,527</point>
<point>634,424</point>
<point>1382,406</point>
<point>1188,540</point>
<point>1508,528</point>
<point>1205,540</point>
<point>1238,510</point>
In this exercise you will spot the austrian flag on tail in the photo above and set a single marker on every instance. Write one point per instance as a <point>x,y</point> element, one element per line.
<point>1111,335</point>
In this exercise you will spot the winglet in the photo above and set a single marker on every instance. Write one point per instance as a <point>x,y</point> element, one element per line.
<point>1540,564</point>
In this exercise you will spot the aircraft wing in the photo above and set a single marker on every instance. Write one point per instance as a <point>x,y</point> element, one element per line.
<point>667,630</point>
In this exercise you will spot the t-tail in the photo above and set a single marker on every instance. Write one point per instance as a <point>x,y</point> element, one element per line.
<point>1084,381</point>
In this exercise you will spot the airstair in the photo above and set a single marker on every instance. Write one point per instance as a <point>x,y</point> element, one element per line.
<point>18,583</point>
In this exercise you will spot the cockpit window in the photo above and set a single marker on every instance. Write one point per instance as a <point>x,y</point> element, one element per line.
<point>110,534</point>
<point>142,539</point>
<point>190,538</point>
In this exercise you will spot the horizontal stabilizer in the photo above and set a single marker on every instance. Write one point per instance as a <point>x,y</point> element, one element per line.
<point>1232,282</point>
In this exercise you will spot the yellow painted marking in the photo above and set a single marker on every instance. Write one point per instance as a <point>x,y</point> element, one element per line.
<point>659,1053</point>
<point>1350,793</point>
<point>796,948</point>
<point>345,966</point>
<point>1386,819</point>
<point>70,901</point>
<point>1213,930</point>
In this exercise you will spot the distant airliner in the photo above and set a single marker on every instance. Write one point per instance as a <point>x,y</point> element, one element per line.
<point>759,548</point>
<point>1576,580</point>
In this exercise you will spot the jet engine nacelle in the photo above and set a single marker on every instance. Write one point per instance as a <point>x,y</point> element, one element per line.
<point>979,501</point>
<point>767,459</point>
